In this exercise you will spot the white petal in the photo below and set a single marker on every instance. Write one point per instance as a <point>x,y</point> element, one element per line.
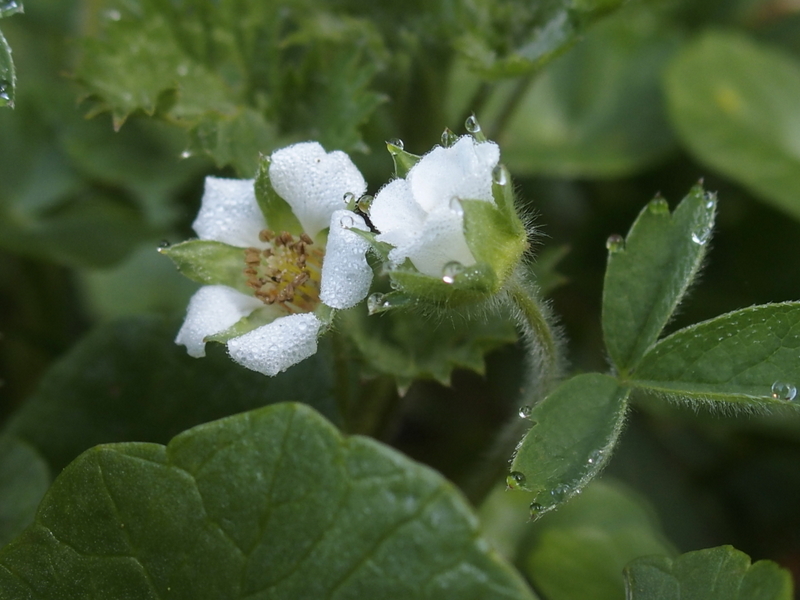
<point>229,212</point>
<point>346,275</point>
<point>463,170</point>
<point>277,346</point>
<point>212,309</point>
<point>396,215</point>
<point>442,241</point>
<point>314,182</point>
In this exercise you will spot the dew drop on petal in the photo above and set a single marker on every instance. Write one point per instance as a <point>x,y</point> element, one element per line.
<point>701,236</point>
<point>515,480</point>
<point>615,243</point>
<point>364,203</point>
<point>456,207</point>
<point>499,175</point>
<point>348,197</point>
<point>525,412</point>
<point>347,221</point>
<point>783,391</point>
<point>451,271</point>
<point>472,125</point>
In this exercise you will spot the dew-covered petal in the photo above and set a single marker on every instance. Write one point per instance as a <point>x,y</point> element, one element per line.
<point>441,241</point>
<point>277,346</point>
<point>229,212</point>
<point>314,182</point>
<point>346,275</point>
<point>396,215</point>
<point>212,309</point>
<point>464,170</point>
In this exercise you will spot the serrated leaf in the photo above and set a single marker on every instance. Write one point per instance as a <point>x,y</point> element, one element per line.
<point>210,263</point>
<point>647,277</point>
<point>579,552</point>
<point>599,110</point>
<point>733,359</point>
<point>272,503</point>
<point>516,38</point>
<point>8,79</point>
<point>734,104</point>
<point>722,573</point>
<point>574,432</point>
<point>128,380</point>
<point>409,346</point>
<point>24,478</point>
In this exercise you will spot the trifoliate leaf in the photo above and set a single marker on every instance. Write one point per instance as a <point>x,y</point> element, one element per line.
<point>747,358</point>
<point>649,272</point>
<point>734,104</point>
<point>722,573</point>
<point>274,503</point>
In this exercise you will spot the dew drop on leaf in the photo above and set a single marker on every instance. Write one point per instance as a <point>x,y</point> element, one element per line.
<point>376,303</point>
<point>348,197</point>
<point>525,412</point>
<point>658,206</point>
<point>515,480</point>
<point>701,236</point>
<point>560,492</point>
<point>783,391</point>
<point>5,92</point>
<point>499,175</point>
<point>364,203</point>
<point>615,243</point>
<point>395,145</point>
<point>448,138</point>
<point>536,510</point>
<point>451,270</point>
<point>595,457</point>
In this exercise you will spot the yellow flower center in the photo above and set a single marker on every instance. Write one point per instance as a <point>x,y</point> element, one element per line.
<point>287,273</point>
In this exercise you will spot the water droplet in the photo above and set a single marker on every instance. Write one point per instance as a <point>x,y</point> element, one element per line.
<point>347,221</point>
<point>615,243</point>
<point>499,175</point>
<point>364,203</point>
<point>348,197</point>
<point>164,244</point>
<point>536,510</point>
<point>525,412</point>
<point>448,138</point>
<point>5,91</point>
<point>783,391</point>
<point>561,492</point>
<point>701,236</point>
<point>273,348</point>
<point>515,480</point>
<point>595,457</point>
<point>451,271</point>
<point>186,154</point>
<point>455,206</point>
<point>658,206</point>
<point>472,125</point>
<point>396,143</point>
<point>376,303</point>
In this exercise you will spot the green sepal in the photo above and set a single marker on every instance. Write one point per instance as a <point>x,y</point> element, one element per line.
<point>574,431</point>
<point>8,77</point>
<point>210,263</point>
<point>471,284</point>
<point>722,573</point>
<point>403,161</point>
<point>380,303</point>
<point>277,212</point>
<point>382,249</point>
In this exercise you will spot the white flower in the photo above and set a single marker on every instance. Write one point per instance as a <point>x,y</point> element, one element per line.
<point>290,275</point>
<point>421,215</point>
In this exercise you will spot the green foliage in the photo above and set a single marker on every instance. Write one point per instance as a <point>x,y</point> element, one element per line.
<point>715,574</point>
<point>574,431</point>
<point>747,358</point>
<point>597,111</point>
<point>129,381</point>
<point>648,274</point>
<point>579,552</point>
<point>734,104</point>
<point>24,478</point>
<point>270,503</point>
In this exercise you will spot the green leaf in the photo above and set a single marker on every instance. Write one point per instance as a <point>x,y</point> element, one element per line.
<point>733,359</point>
<point>277,212</point>
<point>647,277</point>
<point>24,478</point>
<point>513,38</point>
<point>580,551</point>
<point>734,104</point>
<point>128,381</point>
<point>272,503</point>
<point>210,262</point>
<point>407,345</point>
<point>598,111</point>
<point>574,431</point>
<point>8,78</point>
<point>722,573</point>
